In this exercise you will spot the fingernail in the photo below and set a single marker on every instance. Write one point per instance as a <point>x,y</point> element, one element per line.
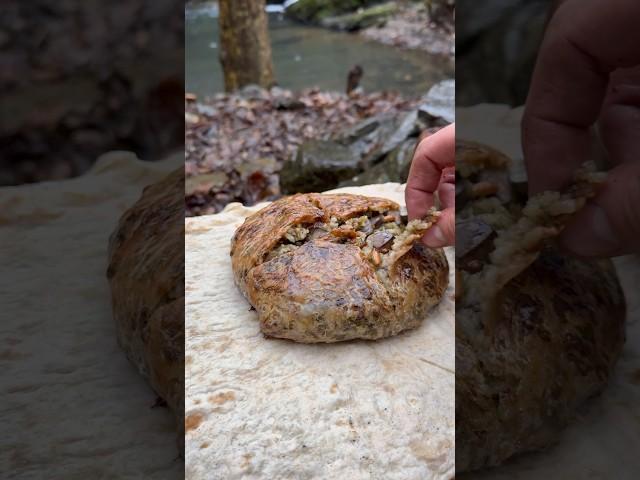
<point>434,237</point>
<point>591,234</point>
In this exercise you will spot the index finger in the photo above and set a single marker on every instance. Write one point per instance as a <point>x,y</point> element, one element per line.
<point>586,40</point>
<point>432,156</point>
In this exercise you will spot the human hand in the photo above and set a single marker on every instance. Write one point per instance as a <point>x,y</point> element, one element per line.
<point>588,71</point>
<point>432,171</point>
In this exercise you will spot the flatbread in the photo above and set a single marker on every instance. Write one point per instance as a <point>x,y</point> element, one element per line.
<point>268,408</point>
<point>73,406</point>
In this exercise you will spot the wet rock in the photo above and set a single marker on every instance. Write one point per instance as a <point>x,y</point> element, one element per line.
<point>206,110</point>
<point>204,183</point>
<point>363,128</point>
<point>403,127</point>
<point>283,99</point>
<point>257,164</point>
<point>313,11</point>
<point>361,19</point>
<point>487,38</point>
<point>253,92</point>
<point>318,165</point>
<point>393,168</point>
<point>375,137</point>
<point>439,103</point>
<point>398,162</point>
<point>284,103</point>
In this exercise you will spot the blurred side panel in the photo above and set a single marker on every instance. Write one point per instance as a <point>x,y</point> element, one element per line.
<point>78,79</point>
<point>547,343</point>
<point>91,125</point>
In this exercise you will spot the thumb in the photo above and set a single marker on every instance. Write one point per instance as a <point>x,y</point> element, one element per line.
<point>609,225</point>
<point>443,233</point>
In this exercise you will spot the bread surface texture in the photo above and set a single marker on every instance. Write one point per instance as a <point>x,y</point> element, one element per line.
<point>322,268</point>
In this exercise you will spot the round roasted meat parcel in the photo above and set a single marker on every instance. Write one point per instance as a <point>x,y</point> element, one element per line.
<point>327,268</point>
<point>538,332</point>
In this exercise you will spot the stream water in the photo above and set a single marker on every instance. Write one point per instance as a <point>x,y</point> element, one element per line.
<point>306,56</point>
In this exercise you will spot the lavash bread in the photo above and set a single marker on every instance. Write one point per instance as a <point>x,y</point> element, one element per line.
<point>326,268</point>
<point>537,332</point>
<point>271,408</point>
<point>146,276</point>
<point>73,405</point>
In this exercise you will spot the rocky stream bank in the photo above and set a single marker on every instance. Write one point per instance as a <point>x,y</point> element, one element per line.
<point>257,145</point>
<point>426,25</point>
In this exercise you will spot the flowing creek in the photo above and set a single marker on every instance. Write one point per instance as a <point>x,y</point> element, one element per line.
<point>307,56</point>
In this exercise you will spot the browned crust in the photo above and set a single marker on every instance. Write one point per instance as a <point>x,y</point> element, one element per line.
<point>146,277</point>
<point>261,232</point>
<point>559,330</point>
<point>325,290</point>
<point>539,334</point>
<point>343,206</point>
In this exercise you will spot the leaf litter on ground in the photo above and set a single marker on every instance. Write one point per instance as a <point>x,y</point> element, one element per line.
<point>235,144</point>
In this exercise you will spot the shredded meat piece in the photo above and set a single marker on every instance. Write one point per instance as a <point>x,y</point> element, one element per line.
<point>382,243</point>
<point>344,231</point>
<point>380,240</point>
<point>543,217</point>
<point>413,232</point>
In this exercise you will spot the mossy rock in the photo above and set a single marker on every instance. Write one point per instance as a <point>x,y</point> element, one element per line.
<point>361,19</point>
<point>393,168</point>
<point>313,11</point>
<point>318,165</point>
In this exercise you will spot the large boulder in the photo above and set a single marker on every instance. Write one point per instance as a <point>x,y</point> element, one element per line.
<point>318,165</point>
<point>393,168</point>
<point>498,43</point>
<point>439,103</point>
<point>375,137</point>
<point>313,11</point>
<point>322,164</point>
<point>362,18</point>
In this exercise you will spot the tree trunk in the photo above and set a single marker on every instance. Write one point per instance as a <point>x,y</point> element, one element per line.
<point>245,50</point>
